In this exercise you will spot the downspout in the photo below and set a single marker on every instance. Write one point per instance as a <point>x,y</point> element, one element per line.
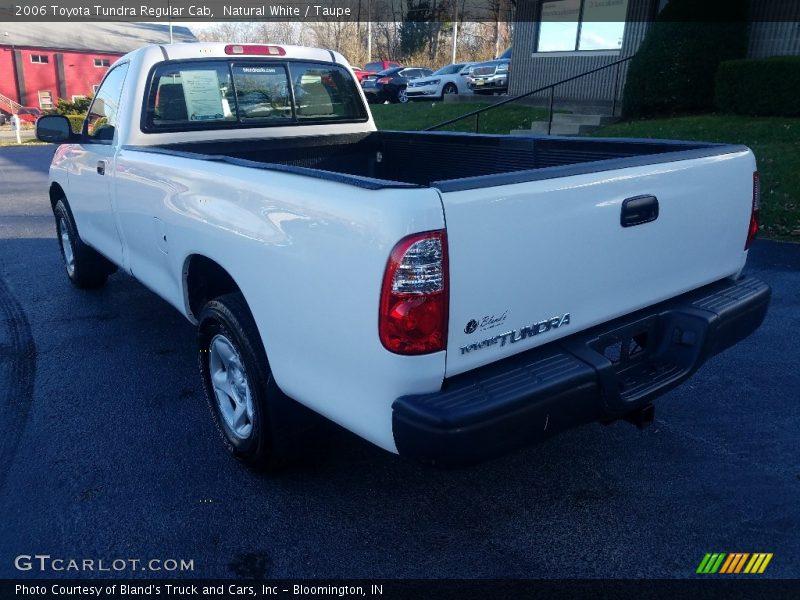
<point>19,76</point>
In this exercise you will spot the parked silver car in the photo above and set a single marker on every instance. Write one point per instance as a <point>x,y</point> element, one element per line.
<point>441,83</point>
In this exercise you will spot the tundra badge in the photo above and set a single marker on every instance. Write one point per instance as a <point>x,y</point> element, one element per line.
<point>514,336</point>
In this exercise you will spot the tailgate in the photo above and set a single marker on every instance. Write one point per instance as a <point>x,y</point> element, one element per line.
<point>536,261</point>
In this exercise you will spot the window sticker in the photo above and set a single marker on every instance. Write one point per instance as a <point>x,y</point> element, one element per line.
<point>203,97</point>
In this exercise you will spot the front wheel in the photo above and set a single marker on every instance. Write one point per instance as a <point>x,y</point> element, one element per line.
<point>449,89</point>
<point>259,425</point>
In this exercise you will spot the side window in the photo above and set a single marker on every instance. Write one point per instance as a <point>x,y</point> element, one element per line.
<point>101,121</point>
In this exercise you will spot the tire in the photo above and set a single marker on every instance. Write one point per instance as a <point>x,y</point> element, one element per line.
<point>449,89</point>
<point>402,97</point>
<point>259,425</point>
<point>86,268</point>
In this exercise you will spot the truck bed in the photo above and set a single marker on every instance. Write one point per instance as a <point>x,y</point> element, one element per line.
<point>448,161</point>
<point>556,238</point>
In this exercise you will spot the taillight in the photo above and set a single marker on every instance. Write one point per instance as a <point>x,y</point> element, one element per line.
<point>415,295</point>
<point>258,49</point>
<point>752,230</point>
<point>384,80</point>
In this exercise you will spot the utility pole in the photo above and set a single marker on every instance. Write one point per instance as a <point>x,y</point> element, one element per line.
<point>455,30</point>
<point>169,20</point>
<point>369,31</point>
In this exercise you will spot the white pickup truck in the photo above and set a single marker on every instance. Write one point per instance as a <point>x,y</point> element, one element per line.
<point>446,296</point>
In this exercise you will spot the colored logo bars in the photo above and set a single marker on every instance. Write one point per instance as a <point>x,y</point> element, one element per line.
<point>736,562</point>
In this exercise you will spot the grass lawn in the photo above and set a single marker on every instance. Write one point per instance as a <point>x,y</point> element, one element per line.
<point>419,115</point>
<point>775,141</point>
<point>25,142</point>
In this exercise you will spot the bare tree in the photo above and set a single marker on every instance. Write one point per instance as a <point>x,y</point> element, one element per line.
<point>278,32</point>
<point>345,37</point>
<point>387,44</point>
<point>230,31</point>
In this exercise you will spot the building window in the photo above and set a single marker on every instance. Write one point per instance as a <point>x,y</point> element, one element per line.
<point>581,25</point>
<point>41,59</point>
<point>102,62</point>
<point>45,100</point>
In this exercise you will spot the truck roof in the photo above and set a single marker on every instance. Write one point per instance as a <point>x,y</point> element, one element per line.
<point>233,49</point>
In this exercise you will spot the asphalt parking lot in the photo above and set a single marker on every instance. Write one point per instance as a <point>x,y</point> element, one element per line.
<point>107,451</point>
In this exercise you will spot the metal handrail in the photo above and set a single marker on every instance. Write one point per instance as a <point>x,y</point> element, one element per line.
<point>477,113</point>
<point>12,105</point>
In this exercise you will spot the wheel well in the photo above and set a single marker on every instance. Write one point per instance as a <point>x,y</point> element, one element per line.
<point>204,280</point>
<point>56,194</point>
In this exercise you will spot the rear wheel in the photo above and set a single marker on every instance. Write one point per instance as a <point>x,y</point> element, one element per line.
<point>402,97</point>
<point>259,425</point>
<point>86,268</point>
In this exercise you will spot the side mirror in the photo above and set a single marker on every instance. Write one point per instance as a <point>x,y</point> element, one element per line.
<point>55,129</point>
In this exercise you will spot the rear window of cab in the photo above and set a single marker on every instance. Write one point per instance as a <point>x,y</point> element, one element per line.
<point>192,95</point>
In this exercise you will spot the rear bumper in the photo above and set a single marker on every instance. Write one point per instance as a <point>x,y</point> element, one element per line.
<point>604,373</point>
<point>376,93</point>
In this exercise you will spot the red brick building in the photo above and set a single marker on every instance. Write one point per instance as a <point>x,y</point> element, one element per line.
<point>42,62</point>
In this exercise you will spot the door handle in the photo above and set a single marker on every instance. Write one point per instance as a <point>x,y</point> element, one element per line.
<point>638,210</point>
<point>101,167</point>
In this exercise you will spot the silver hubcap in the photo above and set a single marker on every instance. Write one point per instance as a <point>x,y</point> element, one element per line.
<point>449,89</point>
<point>402,96</point>
<point>66,246</point>
<point>231,388</point>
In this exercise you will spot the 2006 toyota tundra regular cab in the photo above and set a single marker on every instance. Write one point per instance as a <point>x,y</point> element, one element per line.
<point>446,296</point>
